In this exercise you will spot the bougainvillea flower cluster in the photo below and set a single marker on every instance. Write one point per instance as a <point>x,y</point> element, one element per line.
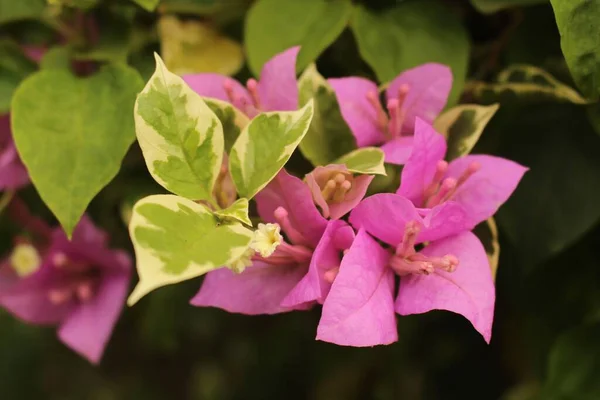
<point>318,237</point>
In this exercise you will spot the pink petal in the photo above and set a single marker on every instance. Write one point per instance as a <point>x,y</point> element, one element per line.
<point>13,174</point>
<point>442,221</point>
<point>359,114</point>
<point>258,290</point>
<point>397,151</point>
<point>327,255</point>
<point>291,193</point>
<point>317,194</point>
<point>88,328</point>
<point>429,148</point>
<point>488,188</point>
<point>429,86</point>
<point>384,216</point>
<point>212,85</point>
<point>353,197</point>
<point>278,89</point>
<point>359,309</point>
<point>27,298</point>
<point>468,291</point>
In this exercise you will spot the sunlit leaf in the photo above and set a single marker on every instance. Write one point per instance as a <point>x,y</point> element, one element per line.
<point>238,211</point>
<point>176,239</point>
<point>264,147</point>
<point>181,138</point>
<point>366,160</point>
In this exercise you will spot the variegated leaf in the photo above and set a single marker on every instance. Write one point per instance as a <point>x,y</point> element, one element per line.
<point>176,239</point>
<point>238,211</point>
<point>181,138</point>
<point>523,84</point>
<point>232,119</point>
<point>265,145</point>
<point>328,137</point>
<point>366,160</point>
<point>462,126</point>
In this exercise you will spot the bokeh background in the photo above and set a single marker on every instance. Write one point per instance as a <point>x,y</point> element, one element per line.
<point>546,337</point>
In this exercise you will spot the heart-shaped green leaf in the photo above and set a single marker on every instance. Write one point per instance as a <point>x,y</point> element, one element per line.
<point>181,138</point>
<point>238,211</point>
<point>73,133</point>
<point>409,35</point>
<point>462,126</point>
<point>316,24</point>
<point>328,137</point>
<point>264,147</point>
<point>176,239</point>
<point>366,160</point>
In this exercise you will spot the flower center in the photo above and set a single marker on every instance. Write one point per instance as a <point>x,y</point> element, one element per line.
<point>297,251</point>
<point>442,189</point>
<point>406,260</point>
<point>79,280</point>
<point>234,98</point>
<point>335,188</point>
<point>391,119</point>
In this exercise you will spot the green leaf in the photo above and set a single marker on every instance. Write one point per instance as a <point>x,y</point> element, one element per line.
<point>176,239</point>
<point>264,146</point>
<point>232,119</point>
<point>181,138</point>
<point>192,47</point>
<point>577,22</point>
<point>11,10</point>
<point>316,24</point>
<point>411,34</point>
<point>574,364</point>
<point>462,126</point>
<point>487,233</point>
<point>83,4</point>
<point>73,133</point>
<point>328,137</point>
<point>238,211</point>
<point>58,57</point>
<point>148,5</point>
<point>523,84</point>
<point>559,146</point>
<point>492,6</point>
<point>14,67</point>
<point>366,160</point>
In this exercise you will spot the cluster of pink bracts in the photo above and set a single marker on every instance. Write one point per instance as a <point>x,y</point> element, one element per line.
<point>421,233</point>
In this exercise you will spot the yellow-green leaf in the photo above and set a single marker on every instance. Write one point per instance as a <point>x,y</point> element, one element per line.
<point>190,47</point>
<point>238,211</point>
<point>264,147</point>
<point>366,160</point>
<point>176,239</point>
<point>181,138</point>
